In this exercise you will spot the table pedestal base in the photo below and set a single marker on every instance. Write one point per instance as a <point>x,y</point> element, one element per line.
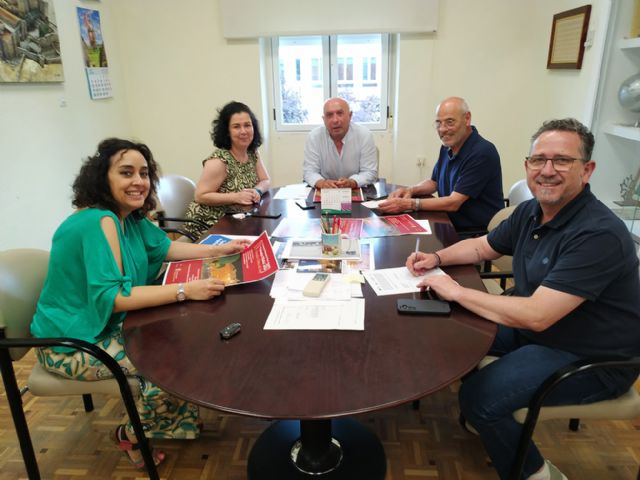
<point>323,449</point>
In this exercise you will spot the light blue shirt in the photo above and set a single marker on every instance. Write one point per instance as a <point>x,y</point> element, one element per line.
<point>358,159</point>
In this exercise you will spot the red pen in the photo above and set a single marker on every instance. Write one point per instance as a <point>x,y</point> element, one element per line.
<point>334,225</point>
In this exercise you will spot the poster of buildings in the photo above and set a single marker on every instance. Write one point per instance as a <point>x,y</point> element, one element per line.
<point>29,44</point>
<point>94,53</point>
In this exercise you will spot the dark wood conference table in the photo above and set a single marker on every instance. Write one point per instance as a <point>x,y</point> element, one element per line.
<point>311,381</point>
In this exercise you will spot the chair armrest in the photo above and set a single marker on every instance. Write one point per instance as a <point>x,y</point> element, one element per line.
<point>160,217</point>
<point>496,274</point>
<point>190,236</point>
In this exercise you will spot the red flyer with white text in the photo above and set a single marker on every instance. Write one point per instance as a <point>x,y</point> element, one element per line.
<point>254,263</point>
<point>391,225</point>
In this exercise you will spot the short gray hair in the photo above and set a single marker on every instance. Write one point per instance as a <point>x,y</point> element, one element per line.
<point>569,125</point>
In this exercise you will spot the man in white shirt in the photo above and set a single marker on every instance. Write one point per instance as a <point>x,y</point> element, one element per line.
<point>339,154</point>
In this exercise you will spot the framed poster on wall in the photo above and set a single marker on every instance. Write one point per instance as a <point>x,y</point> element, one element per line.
<point>568,34</point>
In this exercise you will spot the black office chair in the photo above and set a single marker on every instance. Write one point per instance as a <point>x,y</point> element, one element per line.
<point>625,406</point>
<point>22,273</point>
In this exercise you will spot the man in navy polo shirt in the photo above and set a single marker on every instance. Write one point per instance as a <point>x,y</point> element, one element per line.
<point>576,295</point>
<point>467,176</point>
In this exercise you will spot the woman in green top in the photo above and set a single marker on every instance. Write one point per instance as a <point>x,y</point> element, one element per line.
<point>234,173</point>
<point>103,259</point>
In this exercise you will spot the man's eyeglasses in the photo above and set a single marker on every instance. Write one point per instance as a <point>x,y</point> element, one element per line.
<point>560,164</point>
<point>448,123</point>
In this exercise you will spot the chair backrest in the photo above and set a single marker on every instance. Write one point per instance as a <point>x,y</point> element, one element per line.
<point>519,192</point>
<point>22,274</point>
<point>175,193</point>
<point>503,263</point>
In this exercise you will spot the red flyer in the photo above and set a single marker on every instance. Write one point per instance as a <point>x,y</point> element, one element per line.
<point>255,263</point>
<point>404,223</point>
<point>391,225</point>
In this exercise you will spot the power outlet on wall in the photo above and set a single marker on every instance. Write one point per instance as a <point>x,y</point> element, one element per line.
<point>421,161</point>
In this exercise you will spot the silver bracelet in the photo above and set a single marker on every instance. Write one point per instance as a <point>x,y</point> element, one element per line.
<point>416,204</point>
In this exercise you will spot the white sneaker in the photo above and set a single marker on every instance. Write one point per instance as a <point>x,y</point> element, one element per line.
<point>554,473</point>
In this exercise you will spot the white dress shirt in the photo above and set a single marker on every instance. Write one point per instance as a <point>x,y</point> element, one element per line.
<point>358,159</point>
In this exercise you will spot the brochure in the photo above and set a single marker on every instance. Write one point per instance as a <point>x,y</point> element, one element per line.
<point>310,227</point>
<point>311,249</point>
<point>392,225</point>
<point>255,263</point>
<point>216,239</point>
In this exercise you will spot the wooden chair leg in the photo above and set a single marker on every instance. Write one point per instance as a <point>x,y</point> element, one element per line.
<point>574,424</point>
<point>88,402</point>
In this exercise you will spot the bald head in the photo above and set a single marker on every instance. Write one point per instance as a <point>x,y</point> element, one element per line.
<point>336,116</point>
<point>455,104</point>
<point>453,122</point>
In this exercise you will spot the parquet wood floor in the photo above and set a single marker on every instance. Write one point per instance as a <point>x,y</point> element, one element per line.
<point>425,444</point>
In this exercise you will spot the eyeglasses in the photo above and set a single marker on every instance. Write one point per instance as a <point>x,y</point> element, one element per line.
<point>560,164</point>
<point>447,123</point>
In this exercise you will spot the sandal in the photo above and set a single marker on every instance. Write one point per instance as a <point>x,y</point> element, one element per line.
<point>124,444</point>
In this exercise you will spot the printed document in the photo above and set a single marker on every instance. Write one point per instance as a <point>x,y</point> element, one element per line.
<point>392,281</point>
<point>316,315</point>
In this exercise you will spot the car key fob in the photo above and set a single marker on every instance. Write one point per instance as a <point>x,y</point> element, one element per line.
<point>229,331</point>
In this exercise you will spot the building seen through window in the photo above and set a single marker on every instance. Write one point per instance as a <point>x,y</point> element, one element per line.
<point>314,68</point>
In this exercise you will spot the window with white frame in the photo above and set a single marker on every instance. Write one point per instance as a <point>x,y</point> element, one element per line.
<point>312,68</point>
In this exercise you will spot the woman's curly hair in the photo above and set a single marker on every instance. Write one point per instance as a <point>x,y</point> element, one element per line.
<point>91,186</point>
<point>220,126</point>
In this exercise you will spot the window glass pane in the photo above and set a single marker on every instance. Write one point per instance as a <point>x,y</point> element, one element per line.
<point>363,94</point>
<point>309,69</point>
<point>300,60</point>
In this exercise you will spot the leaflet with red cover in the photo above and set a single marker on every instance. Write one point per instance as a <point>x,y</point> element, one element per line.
<point>254,263</point>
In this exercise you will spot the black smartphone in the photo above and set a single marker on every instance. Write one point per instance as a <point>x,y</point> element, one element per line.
<point>305,205</point>
<point>423,307</point>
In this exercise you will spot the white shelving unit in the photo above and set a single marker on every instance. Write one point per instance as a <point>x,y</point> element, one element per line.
<point>623,131</point>
<point>629,43</point>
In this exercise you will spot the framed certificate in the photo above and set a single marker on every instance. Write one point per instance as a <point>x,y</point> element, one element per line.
<point>568,34</point>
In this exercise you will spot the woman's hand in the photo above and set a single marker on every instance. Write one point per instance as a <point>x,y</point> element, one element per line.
<point>419,263</point>
<point>247,196</point>
<point>203,289</point>
<point>234,246</point>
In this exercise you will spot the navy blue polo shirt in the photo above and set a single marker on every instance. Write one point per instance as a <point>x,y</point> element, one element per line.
<point>585,250</point>
<point>474,171</point>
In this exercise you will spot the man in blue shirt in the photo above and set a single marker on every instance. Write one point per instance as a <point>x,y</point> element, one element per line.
<point>576,296</point>
<point>467,176</point>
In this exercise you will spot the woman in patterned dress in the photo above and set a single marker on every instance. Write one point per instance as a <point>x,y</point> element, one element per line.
<point>234,173</point>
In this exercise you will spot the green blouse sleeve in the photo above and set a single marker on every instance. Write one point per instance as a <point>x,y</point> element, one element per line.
<point>104,279</point>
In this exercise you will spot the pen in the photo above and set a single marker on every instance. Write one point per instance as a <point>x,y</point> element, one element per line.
<point>417,249</point>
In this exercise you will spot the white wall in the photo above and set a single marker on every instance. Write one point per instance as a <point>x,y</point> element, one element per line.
<point>171,69</point>
<point>42,142</point>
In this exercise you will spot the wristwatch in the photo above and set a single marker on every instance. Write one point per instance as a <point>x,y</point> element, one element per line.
<point>416,204</point>
<point>180,295</point>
